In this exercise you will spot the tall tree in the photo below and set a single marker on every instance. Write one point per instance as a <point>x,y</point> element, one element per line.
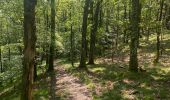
<point>71,38</point>
<point>134,20</point>
<point>52,44</point>
<point>93,33</point>
<point>159,18</point>
<point>167,20</point>
<point>1,51</point>
<point>1,59</point>
<point>29,49</point>
<point>84,32</point>
<point>139,12</point>
<point>124,19</point>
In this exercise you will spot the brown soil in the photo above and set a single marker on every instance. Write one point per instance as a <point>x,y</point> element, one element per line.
<point>68,87</point>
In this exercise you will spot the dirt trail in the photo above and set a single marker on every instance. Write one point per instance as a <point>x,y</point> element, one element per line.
<point>70,87</point>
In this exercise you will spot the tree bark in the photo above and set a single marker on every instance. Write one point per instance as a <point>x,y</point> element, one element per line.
<point>29,49</point>
<point>52,44</point>
<point>35,71</point>
<point>158,44</point>
<point>84,32</point>
<point>46,18</point>
<point>139,12</point>
<point>71,40</point>
<point>9,51</point>
<point>1,60</point>
<point>167,20</point>
<point>125,18</point>
<point>93,33</point>
<point>1,52</point>
<point>134,20</point>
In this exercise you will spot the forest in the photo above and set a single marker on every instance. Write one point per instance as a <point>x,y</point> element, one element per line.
<point>84,49</point>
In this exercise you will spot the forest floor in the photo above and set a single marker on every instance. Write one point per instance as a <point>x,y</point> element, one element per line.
<point>67,86</point>
<point>107,80</point>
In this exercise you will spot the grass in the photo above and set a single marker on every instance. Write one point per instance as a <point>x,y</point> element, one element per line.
<point>112,80</point>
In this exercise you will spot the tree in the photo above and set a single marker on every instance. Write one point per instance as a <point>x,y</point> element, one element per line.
<point>158,30</point>
<point>71,38</point>
<point>93,33</point>
<point>1,51</point>
<point>29,49</point>
<point>134,20</point>
<point>1,59</point>
<point>167,20</point>
<point>84,32</point>
<point>52,44</point>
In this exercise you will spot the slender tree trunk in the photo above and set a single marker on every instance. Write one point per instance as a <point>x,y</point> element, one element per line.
<point>72,44</point>
<point>117,27</point>
<point>1,52</point>
<point>93,34</point>
<point>107,20</point>
<point>101,16</point>
<point>148,34</point>
<point>46,18</point>
<point>167,21</point>
<point>139,11</point>
<point>9,51</point>
<point>1,60</point>
<point>135,20</point>
<point>71,40</point>
<point>29,49</point>
<point>125,18</point>
<point>112,46</point>
<point>35,71</point>
<point>84,32</point>
<point>52,45</point>
<point>158,44</point>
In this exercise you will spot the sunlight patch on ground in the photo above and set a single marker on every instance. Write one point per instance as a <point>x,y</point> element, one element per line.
<point>98,69</point>
<point>165,70</point>
<point>168,49</point>
<point>128,94</point>
<point>127,81</point>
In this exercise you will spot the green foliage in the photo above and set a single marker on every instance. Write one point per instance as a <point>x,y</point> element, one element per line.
<point>114,15</point>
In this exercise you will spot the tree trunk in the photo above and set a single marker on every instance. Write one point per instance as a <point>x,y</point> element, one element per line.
<point>117,27</point>
<point>9,51</point>
<point>135,20</point>
<point>125,18</point>
<point>35,71</point>
<point>1,60</point>
<point>158,44</point>
<point>101,16</point>
<point>148,34</point>
<point>1,52</point>
<point>84,32</point>
<point>52,44</point>
<point>93,34</point>
<point>46,18</point>
<point>139,11</point>
<point>29,49</point>
<point>71,41</point>
<point>167,21</point>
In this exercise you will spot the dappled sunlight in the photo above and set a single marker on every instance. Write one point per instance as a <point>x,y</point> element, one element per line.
<point>128,94</point>
<point>107,78</point>
<point>84,50</point>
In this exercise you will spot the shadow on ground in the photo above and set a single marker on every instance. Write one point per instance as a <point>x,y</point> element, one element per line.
<point>115,82</point>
